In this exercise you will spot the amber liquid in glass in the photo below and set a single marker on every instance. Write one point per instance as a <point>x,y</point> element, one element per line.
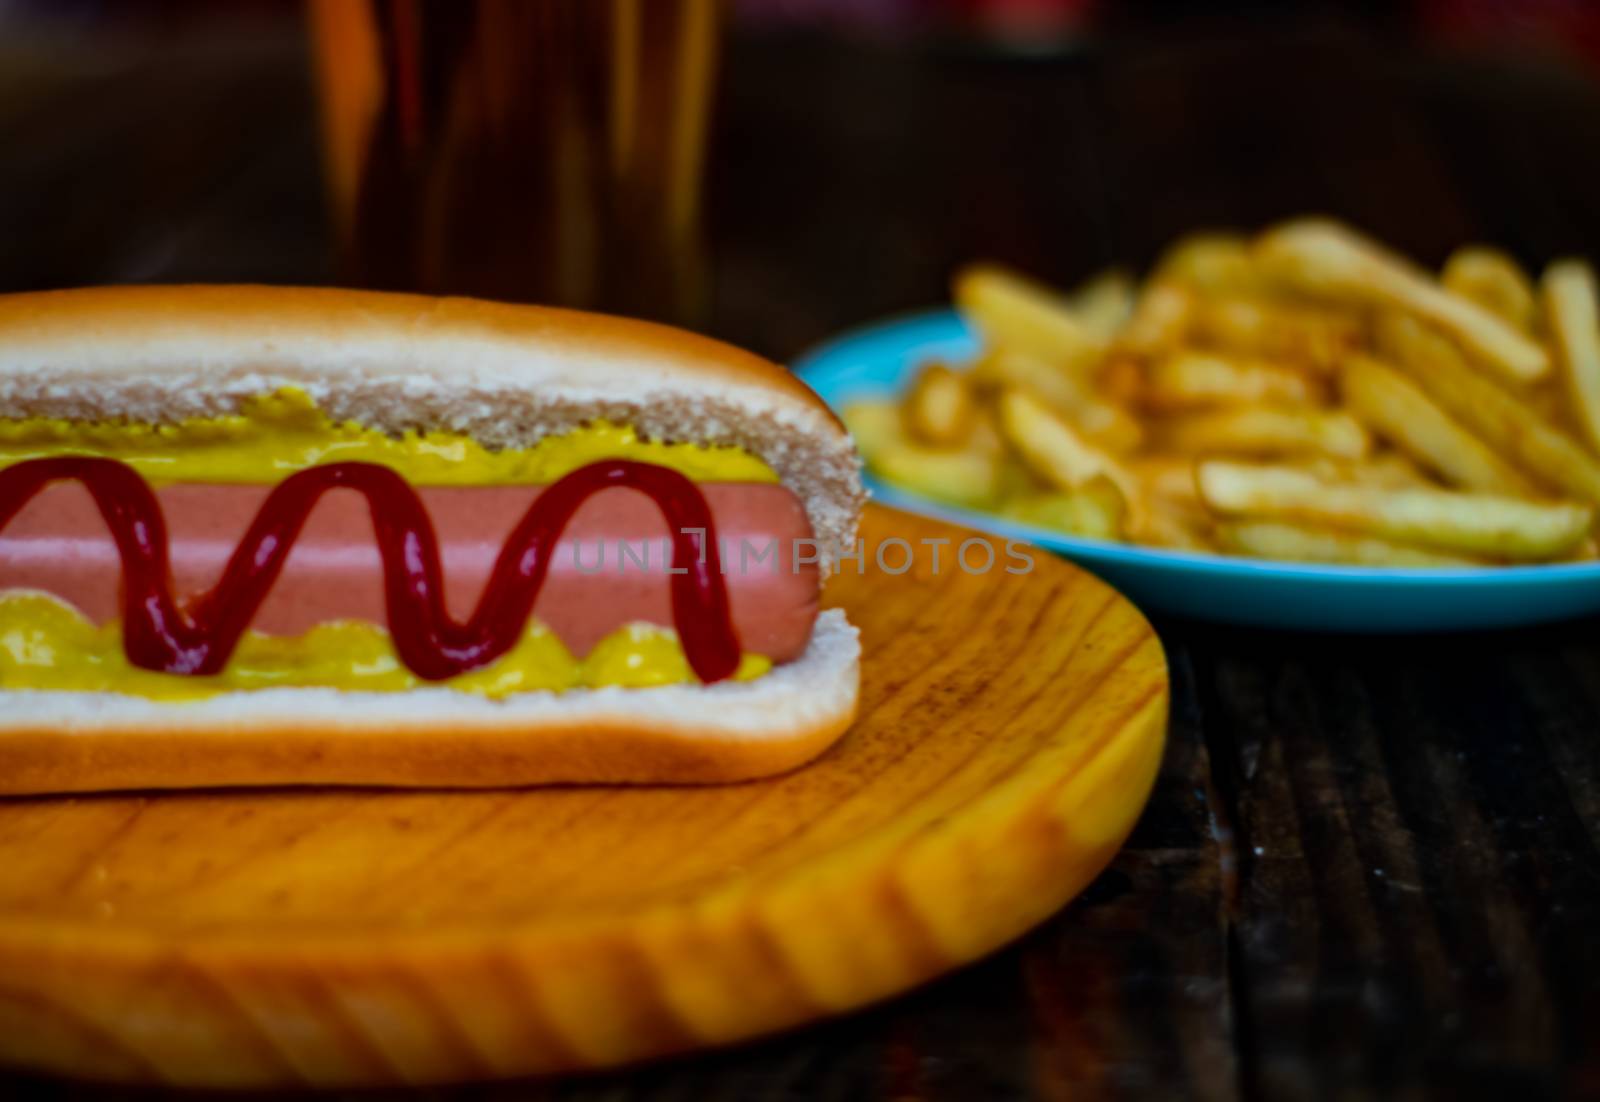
<point>527,150</point>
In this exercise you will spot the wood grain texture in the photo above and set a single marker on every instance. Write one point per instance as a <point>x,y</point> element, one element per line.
<point>1011,727</point>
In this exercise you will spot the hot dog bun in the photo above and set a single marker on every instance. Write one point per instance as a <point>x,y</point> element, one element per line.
<point>506,375</point>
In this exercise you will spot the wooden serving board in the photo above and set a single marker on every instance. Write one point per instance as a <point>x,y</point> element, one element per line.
<point>1010,731</point>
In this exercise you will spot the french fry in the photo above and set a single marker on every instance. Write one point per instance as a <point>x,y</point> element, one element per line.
<point>1173,497</point>
<point>998,368</point>
<point>1095,509</point>
<point>1266,539</point>
<point>1106,424</point>
<point>1320,257</point>
<point>1391,469</point>
<point>1104,304</point>
<point>1318,336</point>
<point>958,476</point>
<point>1394,407</point>
<point>1100,418</point>
<point>1474,524</point>
<point>1048,444</point>
<point>1166,525</point>
<point>875,424</point>
<point>1055,452</point>
<point>1494,281</point>
<point>1550,400</point>
<point>1210,262</point>
<point>978,474</point>
<point>1160,319</point>
<point>1167,478</point>
<point>1573,317</point>
<point>1121,378</point>
<point>1016,480</point>
<point>940,410</point>
<point>1173,515</point>
<point>1499,418</point>
<point>1191,380</point>
<point>986,434</point>
<point>1263,431</point>
<point>1587,551</point>
<point>1016,313</point>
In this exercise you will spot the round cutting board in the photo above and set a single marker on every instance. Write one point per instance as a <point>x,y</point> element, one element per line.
<point>1010,729</point>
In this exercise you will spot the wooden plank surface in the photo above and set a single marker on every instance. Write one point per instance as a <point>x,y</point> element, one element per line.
<point>1422,919</point>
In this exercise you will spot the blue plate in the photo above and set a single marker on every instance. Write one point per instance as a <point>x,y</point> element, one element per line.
<point>879,361</point>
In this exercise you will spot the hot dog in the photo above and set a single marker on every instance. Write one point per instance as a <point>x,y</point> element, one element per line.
<point>195,594</point>
<point>608,570</point>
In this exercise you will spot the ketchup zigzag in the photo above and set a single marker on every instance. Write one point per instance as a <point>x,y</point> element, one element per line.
<point>198,637</point>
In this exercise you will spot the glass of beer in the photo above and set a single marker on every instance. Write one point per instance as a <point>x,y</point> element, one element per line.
<point>526,150</point>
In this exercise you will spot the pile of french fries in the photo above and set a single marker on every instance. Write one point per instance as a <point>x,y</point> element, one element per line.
<point>1304,395</point>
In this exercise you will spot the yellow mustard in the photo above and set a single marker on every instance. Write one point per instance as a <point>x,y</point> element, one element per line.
<point>275,434</point>
<point>47,644</point>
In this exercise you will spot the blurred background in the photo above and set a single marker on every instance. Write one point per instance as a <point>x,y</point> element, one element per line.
<point>859,150</point>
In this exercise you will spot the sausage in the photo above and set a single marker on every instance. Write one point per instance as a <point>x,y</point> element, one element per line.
<point>609,569</point>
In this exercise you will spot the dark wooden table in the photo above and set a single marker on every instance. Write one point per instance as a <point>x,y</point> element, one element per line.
<point>1371,867</point>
